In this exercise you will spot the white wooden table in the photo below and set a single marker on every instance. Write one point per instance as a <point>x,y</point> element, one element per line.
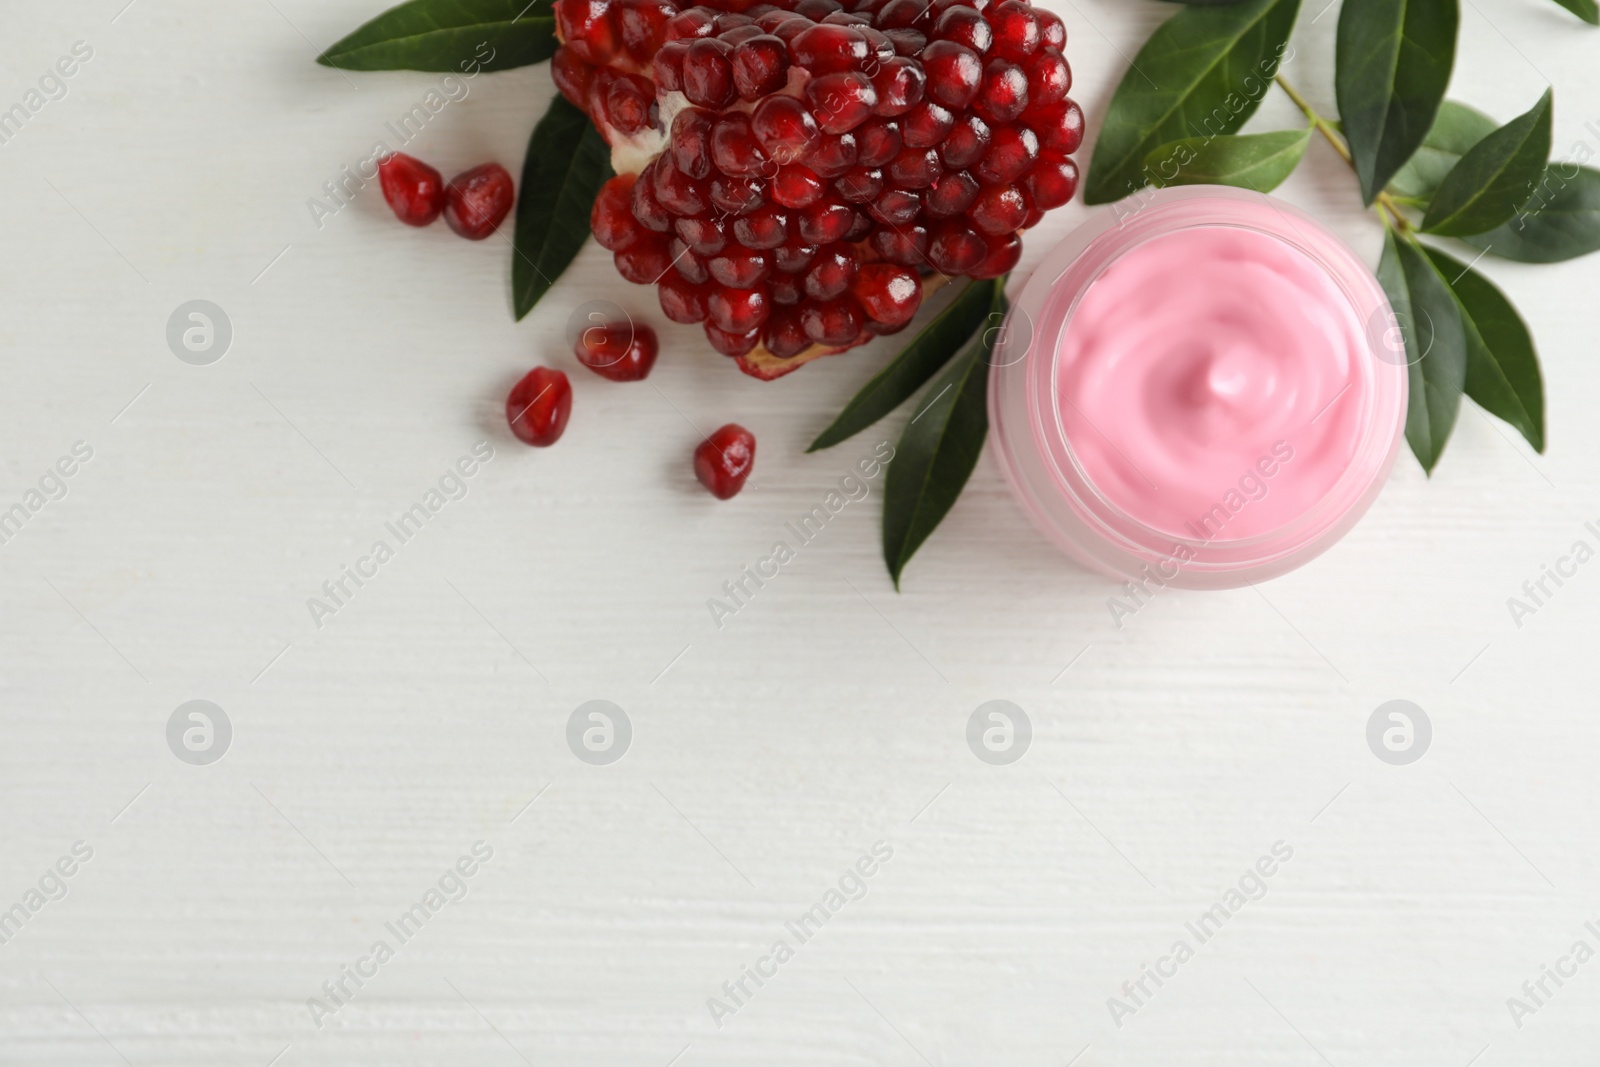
<point>430,711</point>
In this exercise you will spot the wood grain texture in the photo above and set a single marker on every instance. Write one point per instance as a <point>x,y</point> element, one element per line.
<point>768,755</point>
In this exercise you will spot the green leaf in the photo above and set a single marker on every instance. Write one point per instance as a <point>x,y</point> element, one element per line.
<point>1392,63</point>
<point>1454,132</point>
<point>1560,221</point>
<point>566,164</point>
<point>939,448</point>
<point>1259,161</point>
<point>1502,366</point>
<point>459,36</point>
<point>1427,314</point>
<point>1494,178</point>
<point>1201,74</point>
<point>1587,10</point>
<point>917,362</point>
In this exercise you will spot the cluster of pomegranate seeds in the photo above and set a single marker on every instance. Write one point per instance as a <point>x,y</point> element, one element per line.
<point>788,173</point>
<point>722,461</point>
<point>474,203</point>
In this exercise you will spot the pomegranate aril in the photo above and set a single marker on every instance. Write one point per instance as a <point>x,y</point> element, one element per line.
<point>966,142</point>
<point>588,28</point>
<point>835,154</point>
<point>925,125</point>
<point>1003,94</point>
<point>897,207</point>
<point>1011,152</point>
<point>888,293</point>
<point>572,76</point>
<point>611,219</point>
<point>737,196</point>
<point>907,43</point>
<point>771,20</point>
<point>954,72</point>
<point>734,148</point>
<point>723,461</point>
<point>645,261</point>
<point>690,24</point>
<point>845,18</point>
<point>538,406</point>
<point>620,351</point>
<point>784,336</point>
<point>413,190</point>
<point>765,227</point>
<point>739,268</point>
<point>824,222</point>
<point>1060,127</point>
<point>793,256</point>
<point>704,236</point>
<point>736,310</point>
<point>732,20</point>
<point>878,141</point>
<point>1002,255</point>
<point>841,101</point>
<point>784,129</point>
<point>477,201</point>
<point>951,195</point>
<point>643,24</point>
<point>1049,78</point>
<point>681,300</point>
<point>899,85</point>
<point>817,9</point>
<point>676,191</point>
<point>915,168</point>
<point>1016,30</point>
<point>955,249</point>
<point>1052,181</point>
<point>824,49</point>
<point>964,26</point>
<point>792,27</point>
<point>630,103</point>
<point>860,185</point>
<point>831,322</point>
<point>1052,31</point>
<point>691,142</point>
<point>738,36</point>
<point>902,14</point>
<point>796,186</point>
<point>687,262</point>
<point>647,210</point>
<point>832,273</point>
<point>998,210</point>
<point>731,344</point>
<point>707,75</point>
<point>667,66</point>
<point>760,66</point>
<point>861,225</point>
<point>786,289</point>
<point>907,246</point>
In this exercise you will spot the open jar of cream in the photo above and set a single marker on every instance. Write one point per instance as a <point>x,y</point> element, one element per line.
<point>1200,388</point>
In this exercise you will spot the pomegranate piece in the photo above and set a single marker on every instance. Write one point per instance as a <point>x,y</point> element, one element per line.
<point>414,190</point>
<point>538,406</point>
<point>722,461</point>
<point>620,351</point>
<point>477,201</point>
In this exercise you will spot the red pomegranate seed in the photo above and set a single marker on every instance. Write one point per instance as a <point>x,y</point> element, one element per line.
<point>706,237</point>
<point>835,154</point>
<point>737,310</point>
<point>899,84</point>
<point>954,72</point>
<point>796,186</point>
<point>786,289</point>
<point>954,249</point>
<point>645,261</point>
<point>630,103</point>
<point>647,211</point>
<point>690,24</point>
<point>889,294</point>
<point>915,168</point>
<point>722,461</point>
<point>1011,152</point>
<point>907,246</point>
<point>691,142</point>
<point>738,36</point>
<point>572,76</point>
<point>478,200</point>
<point>783,336</point>
<point>907,43</point>
<point>1049,78</point>
<point>831,322</point>
<point>1016,30</point>
<point>832,273</point>
<point>620,351</point>
<point>1060,127</point>
<point>791,27</point>
<point>707,75</point>
<point>901,14</point>
<point>688,263</point>
<point>841,101</point>
<point>667,66</point>
<point>611,219</point>
<point>731,344</point>
<point>825,49</point>
<point>965,26</point>
<point>879,141</point>
<point>413,190</point>
<point>676,191</point>
<point>897,207</point>
<point>737,196</point>
<point>538,406</point>
<point>784,129</point>
<point>817,9</point>
<point>588,28</point>
<point>1003,94</point>
<point>739,268</point>
<point>825,221</point>
<point>681,300</point>
<point>1051,182</point>
<point>793,256</point>
<point>953,194</point>
<point>860,185</point>
<point>765,227</point>
<point>1002,255</point>
<point>1052,31</point>
<point>760,66</point>
<point>643,24</point>
<point>925,125</point>
<point>966,143</point>
<point>734,148</point>
<point>999,210</point>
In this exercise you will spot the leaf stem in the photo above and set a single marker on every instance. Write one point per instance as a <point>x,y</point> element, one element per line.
<point>1384,202</point>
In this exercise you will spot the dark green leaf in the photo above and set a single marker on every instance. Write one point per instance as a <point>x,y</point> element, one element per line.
<point>1393,62</point>
<point>1454,132</point>
<point>1587,10</point>
<point>939,448</point>
<point>1502,366</point>
<point>1201,74</point>
<point>460,36</point>
<point>916,363</point>
<point>1259,161</point>
<point>1427,315</point>
<point>567,162</point>
<point>1560,221</point>
<point>1495,177</point>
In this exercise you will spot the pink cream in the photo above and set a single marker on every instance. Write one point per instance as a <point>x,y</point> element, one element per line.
<point>1198,390</point>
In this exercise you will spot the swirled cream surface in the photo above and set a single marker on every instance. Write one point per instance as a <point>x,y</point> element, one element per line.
<point>1211,383</point>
